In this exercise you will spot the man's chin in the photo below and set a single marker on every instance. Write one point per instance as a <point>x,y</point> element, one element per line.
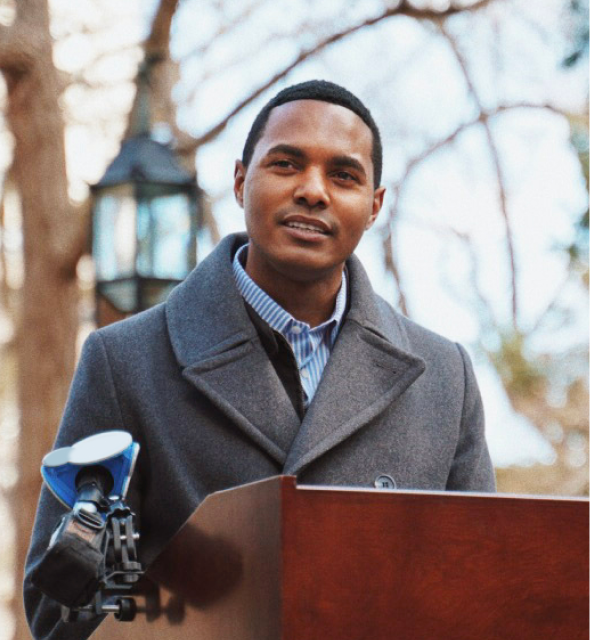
<point>308,271</point>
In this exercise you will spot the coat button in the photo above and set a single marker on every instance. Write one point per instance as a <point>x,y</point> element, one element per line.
<point>384,482</point>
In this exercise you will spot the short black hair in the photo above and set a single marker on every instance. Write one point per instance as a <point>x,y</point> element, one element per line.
<point>326,92</point>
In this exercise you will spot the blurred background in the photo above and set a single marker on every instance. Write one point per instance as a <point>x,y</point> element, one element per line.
<point>483,108</point>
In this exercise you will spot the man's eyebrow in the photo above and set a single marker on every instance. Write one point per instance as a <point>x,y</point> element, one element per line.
<point>348,162</point>
<point>337,161</point>
<point>286,149</point>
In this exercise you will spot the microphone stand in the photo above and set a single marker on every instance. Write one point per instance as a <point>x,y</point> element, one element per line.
<point>91,563</point>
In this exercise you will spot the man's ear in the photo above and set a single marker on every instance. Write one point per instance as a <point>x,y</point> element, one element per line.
<point>239,178</point>
<point>378,196</point>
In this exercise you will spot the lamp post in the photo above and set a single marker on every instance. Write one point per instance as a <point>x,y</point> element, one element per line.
<point>144,224</point>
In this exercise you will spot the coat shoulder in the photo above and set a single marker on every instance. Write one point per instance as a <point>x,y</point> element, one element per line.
<point>420,340</point>
<point>137,329</point>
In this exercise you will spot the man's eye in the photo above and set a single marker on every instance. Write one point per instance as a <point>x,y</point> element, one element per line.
<point>345,176</point>
<point>283,164</point>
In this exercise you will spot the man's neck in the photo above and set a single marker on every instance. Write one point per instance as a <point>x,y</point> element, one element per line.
<point>308,301</point>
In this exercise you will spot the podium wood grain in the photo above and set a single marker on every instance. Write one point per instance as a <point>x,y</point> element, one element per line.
<point>272,561</point>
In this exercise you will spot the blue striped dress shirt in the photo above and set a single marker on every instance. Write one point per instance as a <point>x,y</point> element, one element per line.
<point>311,347</point>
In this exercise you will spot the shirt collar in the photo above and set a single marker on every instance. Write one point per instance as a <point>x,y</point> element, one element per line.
<point>273,314</point>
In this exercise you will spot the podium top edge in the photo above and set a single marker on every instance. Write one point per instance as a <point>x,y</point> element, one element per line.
<point>462,494</point>
<point>290,483</point>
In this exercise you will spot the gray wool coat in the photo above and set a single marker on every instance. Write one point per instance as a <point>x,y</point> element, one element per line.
<point>192,383</point>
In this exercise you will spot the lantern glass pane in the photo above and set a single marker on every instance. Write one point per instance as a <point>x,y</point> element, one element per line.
<point>154,291</point>
<point>114,241</point>
<point>122,294</point>
<point>164,236</point>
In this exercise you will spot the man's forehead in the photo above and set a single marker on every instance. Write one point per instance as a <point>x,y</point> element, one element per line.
<point>316,119</point>
<point>307,109</point>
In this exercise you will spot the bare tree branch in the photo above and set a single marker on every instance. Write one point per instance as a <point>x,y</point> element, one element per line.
<point>530,20</point>
<point>208,219</point>
<point>416,161</point>
<point>159,37</point>
<point>498,169</point>
<point>486,315</point>
<point>78,243</point>
<point>553,304</point>
<point>402,8</point>
<point>484,116</point>
<point>163,76</point>
<point>391,266</point>
<point>224,28</point>
<point>504,209</point>
<point>484,303</point>
<point>81,77</point>
<point>162,71</point>
<point>214,71</point>
<point>17,51</point>
<point>4,289</point>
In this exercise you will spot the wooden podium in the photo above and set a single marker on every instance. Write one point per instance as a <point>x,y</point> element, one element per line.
<point>276,561</point>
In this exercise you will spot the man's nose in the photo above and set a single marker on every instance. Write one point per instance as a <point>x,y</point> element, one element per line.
<point>311,190</point>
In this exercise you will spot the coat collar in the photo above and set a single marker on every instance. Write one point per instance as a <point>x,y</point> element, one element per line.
<point>206,313</point>
<point>219,349</point>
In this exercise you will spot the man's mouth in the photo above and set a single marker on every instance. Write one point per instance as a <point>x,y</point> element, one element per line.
<point>306,226</point>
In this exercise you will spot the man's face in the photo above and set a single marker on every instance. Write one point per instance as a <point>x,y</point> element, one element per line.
<point>308,193</point>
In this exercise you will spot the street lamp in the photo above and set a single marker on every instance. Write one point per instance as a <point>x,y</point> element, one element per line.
<point>144,228</point>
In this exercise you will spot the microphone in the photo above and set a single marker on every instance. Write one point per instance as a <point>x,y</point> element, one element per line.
<point>92,552</point>
<point>93,484</point>
<point>115,451</point>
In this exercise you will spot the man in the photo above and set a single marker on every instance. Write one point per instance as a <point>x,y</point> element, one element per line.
<point>275,356</point>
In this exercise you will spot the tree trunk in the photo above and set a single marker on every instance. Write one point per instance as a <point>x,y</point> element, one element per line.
<point>47,333</point>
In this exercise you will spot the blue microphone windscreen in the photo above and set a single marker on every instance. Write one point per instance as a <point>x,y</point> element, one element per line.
<point>59,471</point>
<point>61,481</point>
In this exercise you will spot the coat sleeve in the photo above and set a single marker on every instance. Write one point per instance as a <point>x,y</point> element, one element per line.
<point>472,468</point>
<point>92,406</point>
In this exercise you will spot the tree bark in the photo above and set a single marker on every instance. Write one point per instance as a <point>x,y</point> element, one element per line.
<point>47,334</point>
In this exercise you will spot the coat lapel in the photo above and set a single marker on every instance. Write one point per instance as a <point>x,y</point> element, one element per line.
<point>368,370</point>
<point>221,355</point>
